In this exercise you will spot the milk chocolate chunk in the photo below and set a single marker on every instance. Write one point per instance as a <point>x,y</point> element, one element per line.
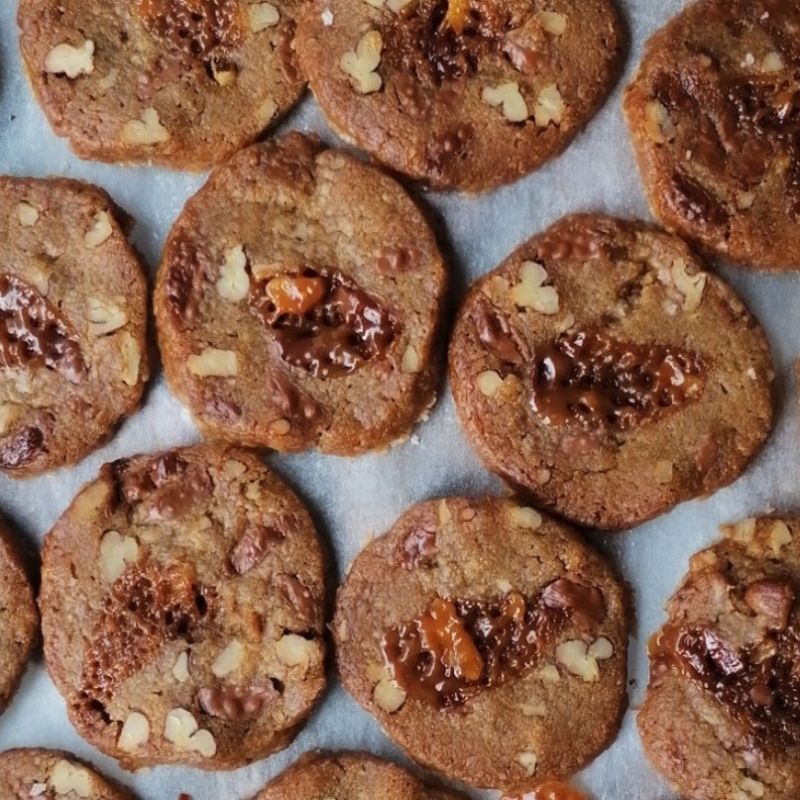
<point>234,703</point>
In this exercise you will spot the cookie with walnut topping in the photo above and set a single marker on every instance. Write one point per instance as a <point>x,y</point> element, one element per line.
<point>603,371</point>
<point>29,772</point>
<point>73,323</point>
<point>463,94</point>
<point>489,642</point>
<point>183,83</point>
<point>721,717</point>
<point>182,610</point>
<point>298,302</point>
<point>714,113</point>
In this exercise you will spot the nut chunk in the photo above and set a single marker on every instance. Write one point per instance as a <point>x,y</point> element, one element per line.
<point>362,64</point>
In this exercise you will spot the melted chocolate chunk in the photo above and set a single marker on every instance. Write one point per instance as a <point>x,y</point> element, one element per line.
<point>236,703</point>
<point>253,546</point>
<point>184,283</point>
<point>495,335</point>
<point>599,382</point>
<point>33,335</point>
<point>419,547</point>
<point>457,648</point>
<point>297,593</point>
<point>21,447</point>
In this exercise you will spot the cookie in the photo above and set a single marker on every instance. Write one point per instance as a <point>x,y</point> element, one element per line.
<point>33,772</point>
<point>298,302</point>
<point>714,112</point>
<point>182,610</point>
<point>466,94</point>
<point>73,319</point>
<point>347,776</point>
<point>183,83</point>
<point>601,370</point>
<point>721,717</point>
<point>19,622</point>
<point>489,641</point>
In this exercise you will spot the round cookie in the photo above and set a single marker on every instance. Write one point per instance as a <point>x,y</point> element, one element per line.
<point>298,302</point>
<point>182,610</point>
<point>19,622</point>
<point>490,642</point>
<point>603,371</point>
<point>465,94</point>
<point>721,716</point>
<point>33,772</point>
<point>183,83</point>
<point>714,112</point>
<point>345,776</point>
<point>73,320</point>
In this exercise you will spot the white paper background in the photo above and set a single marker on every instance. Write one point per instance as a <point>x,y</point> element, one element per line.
<point>352,499</point>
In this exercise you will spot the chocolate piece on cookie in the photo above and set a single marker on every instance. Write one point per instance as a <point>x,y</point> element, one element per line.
<point>298,302</point>
<point>183,83</point>
<point>603,371</point>
<point>463,94</point>
<point>714,113</point>
<point>721,717</point>
<point>182,614</point>
<point>489,641</point>
<point>73,295</point>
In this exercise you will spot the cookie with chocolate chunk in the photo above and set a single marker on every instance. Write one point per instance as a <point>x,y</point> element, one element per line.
<point>714,113</point>
<point>603,371</point>
<point>19,622</point>
<point>345,776</point>
<point>721,717</point>
<point>463,94</point>
<point>73,320</point>
<point>30,772</point>
<point>183,83</point>
<point>298,302</point>
<point>488,640</point>
<point>182,610</point>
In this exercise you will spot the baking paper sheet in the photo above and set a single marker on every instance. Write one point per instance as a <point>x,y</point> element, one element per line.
<point>355,499</point>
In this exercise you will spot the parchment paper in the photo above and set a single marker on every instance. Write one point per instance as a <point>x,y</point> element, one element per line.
<point>355,499</point>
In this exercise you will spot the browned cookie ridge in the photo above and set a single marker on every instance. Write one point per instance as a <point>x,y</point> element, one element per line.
<point>721,717</point>
<point>182,611</point>
<point>184,83</point>
<point>714,113</point>
<point>464,94</point>
<point>73,322</point>
<point>298,302</point>
<point>489,641</point>
<point>603,371</point>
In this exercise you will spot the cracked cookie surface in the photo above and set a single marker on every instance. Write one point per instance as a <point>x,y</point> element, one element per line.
<point>603,371</point>
<point>472,617</point>
<point>714,113</point>
<point>182,611</point>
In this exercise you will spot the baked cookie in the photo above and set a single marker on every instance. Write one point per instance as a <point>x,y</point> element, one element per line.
<point>183,83</point>
<point>721,717</point>
<point>489,641</point>
<point>463,94</point>
<point>19,622</point>
<point>298,302</point>
<point>31,772</point>
<point>714,113</point>
<point>348,776</point>
<point>73,319</point>
<point>182,614</point>
<point>602,370</point>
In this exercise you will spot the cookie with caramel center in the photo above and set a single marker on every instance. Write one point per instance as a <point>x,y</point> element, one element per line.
<point>714,113</point>
<point>298,302</point>
<point>181,607</point>
<point>488,640</point>
<point>602,370</point>
<point>721,717</point>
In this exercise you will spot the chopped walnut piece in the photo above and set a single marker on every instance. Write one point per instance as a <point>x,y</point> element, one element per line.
<point>100,231</point>
<point>117,552</point>
<point>575,657</point>
<point>213,362</point>
<point>526,517</point>
<point>549,106</point>
<point>228,660</point>
<point>135,732</point>
<point>361,64</point>
<point>67,778</point>
<point>773,62</point>
<point>104,317</point>
<point>552,22</point>
<point>65,59</point>
<point>131,358</point>
<point>411,362</point>
<point>295,651</point>
<point>182,730</point>
<point>528,761</point>
<point>509,98</point>
<point>489,383</point>
<point>147,130</point>
<point>658,124</point>
<point>263,16</point>
<point>388,695</point>
<point>531,292</point>
<point>691,286</point>
<point>779,536</point>
<point>234,282</point>
<point>27,214</point>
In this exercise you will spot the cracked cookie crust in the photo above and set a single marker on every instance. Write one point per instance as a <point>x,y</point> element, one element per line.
<point>473,617</point>
<point>298,302</point>
<point>714,113</point>
<point>183,83</point>
<point>603,371</point>
<point>463,94</point>
<point>182,613</point>
<point>721,716</point>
